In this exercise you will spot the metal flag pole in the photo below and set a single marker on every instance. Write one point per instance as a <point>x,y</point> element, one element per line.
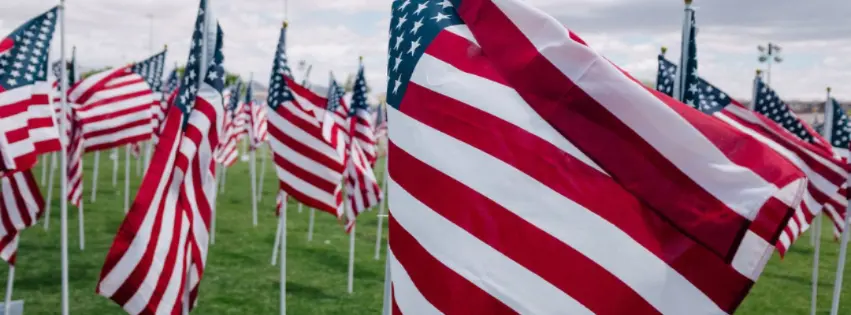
<point>310,225</point>
<point>282,223</point>
<point>63,166</point>
<point>388,292</point>
<point>277,241</point>
<point>95,168</point>
<point>49,202</point>
<point>127,179</point>
<point>817,221</point>
<point>682,72</point>
<point>80,221</point>
<point>262,171</point>
<point>299,207</point>
<point>351,284</point>
<point>114,157</point>
<point>224,178</point>
<point>10,283</point>
<point>45,163</point>
<point>843,247</point>
<point>381,214</point>
<point>252,157</point>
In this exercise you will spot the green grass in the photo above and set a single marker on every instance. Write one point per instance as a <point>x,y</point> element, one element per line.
<point>240,280</point>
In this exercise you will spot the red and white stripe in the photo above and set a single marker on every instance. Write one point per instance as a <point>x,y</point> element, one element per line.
<point>309,168</point>
<point>825,174</point>
<point>584,205</point>
<point>165,234</point>
<point>114,108</point>
<point>363,133</point>
<point>361,186</point>
<point>75,159</point>
<point>24,132</point>
<point>21,205</point>
<point>235,128</point>
<point>259,124</point>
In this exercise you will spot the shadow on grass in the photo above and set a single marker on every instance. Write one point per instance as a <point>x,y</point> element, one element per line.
<point>301,290</point>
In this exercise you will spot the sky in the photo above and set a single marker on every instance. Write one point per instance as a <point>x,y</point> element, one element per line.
<point>332,34</point>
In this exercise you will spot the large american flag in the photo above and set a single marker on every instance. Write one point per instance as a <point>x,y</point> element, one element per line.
<point>826,175</point>
<point>27,122</point>
<point>234,128</point>
<point>164,236</point>
<point>309,169</point>
<point>837,131</point>
<point>768,103</point>
<point>114,108</point>
<point>582,204</point>
<point>362,130</point>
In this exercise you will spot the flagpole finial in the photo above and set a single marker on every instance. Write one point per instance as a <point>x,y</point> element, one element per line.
<point>688,2</point>
<point>664,50</point>
<point>286,24</point>
<point>165,47</point>
<point>828,89</point>
<point>758,72</point>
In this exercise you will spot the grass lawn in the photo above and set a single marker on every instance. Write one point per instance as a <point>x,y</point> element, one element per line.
<point>240,280</point>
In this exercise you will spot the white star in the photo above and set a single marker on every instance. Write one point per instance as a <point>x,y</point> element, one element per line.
<point>402,20</point>
<point>191,59</point>
<point>445,4</point>
<point>439,17</point>
<point>15,73</point>
<point>690,103</point>
<point>18,65</point>
<point>405,4</point>
<point>28,77</point>
<point>398,62</point>
<point>12,81</point>
<point>396,85</point>
<point>31,68</point>
<point>212,75</point>
<point>399,41</point>
<point>417,26</point>
<point>420,7</point>
<point>692,88</point>
<point>192,75</point>
<point>414,45</point>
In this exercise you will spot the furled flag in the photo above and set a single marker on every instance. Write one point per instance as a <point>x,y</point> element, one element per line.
<point>259,121</point>
<point>335,122</point>
<point>162,242</point>
<point>114,108</point>
<point>686,89</point>
<point>825,174</point>
<point>21,205</point>
<point>567,183</point>
<point>226,153</point>
<point>27,122</point>
<point>768,103</point>
<point>837,130</point>
<point>362,130</point>
<point>309,169</point>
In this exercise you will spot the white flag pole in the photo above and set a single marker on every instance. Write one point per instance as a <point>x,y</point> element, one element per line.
<point>45,163</point>
<point>282,223</point>
<point>351,284</point>
<point>262,172</point>
<point>816,230</point>
<point>49,202</point>
<point>386,306</point>
<point>63,166</point>
<point>252,156</point>
<point>843,247</point>
<point>299,208</point>
<point>381,214</point>
<point>80,218</point>
<point>10,282</point>
<point>114,157</point>
<point>213,225</point>
<point>310,224</point>
<point>224,178</point>
<point>127,179</point>
<point>139,162</point>
<point>277,243</point>
<point>96,167</point>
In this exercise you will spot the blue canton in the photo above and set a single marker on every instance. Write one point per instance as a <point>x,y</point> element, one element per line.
<point>234,96</point>
<point>666,75</point>
<point>26,62</point>
<point>151,70</point>
<point>840,135</point>
<point>215,69</point>
<point>171,83</point>
<point>359,94</point>
<point>413,26</point>
<point>335,92</point>
<point>249,94</point>
<point>690,89</point>
<point>190,82</point>
<point>279,92</point>
<point>768,103</point>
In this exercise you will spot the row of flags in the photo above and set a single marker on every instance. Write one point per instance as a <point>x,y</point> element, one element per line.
<point>324,149</point>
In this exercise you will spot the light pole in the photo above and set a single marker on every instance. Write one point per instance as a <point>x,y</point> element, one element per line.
<point>769,54</point>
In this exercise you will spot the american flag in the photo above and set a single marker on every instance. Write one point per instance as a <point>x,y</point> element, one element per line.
<point>163,238</point>
<point>309,169</point>
<point>234,127</point>
<point>152,70</point>
<point>583,205</point>
<point>362,130</point>
<point>169,88</point>
<point>26,115</point>
<point>686,90</point>
<point>837,130</point>
<point>768,103</point>
<point>259,119</point>
<point>361,186</point>
<point>381,123</point>
<point>22,205</point>
<point>335,122</point>
<point>825,174</point>
<point>114,108</point>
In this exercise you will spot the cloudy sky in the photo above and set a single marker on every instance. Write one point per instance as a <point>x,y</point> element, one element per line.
<point>331,34</point>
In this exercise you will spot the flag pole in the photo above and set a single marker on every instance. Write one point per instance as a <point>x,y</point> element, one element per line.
<point>262,172</point>
<point>10,282</point>
<point>127,179</point>
<point>310,224</point>
<point>299,207</point>
<point>224,178</point>
<point>816,231</point>
<point>282,224</point>
<point>277,241</point>
<point>388,292</point>
<point>381,214</point>
<point>49,202</point>
<point>351,284</point>
<point>114,157</point>
<point>843,247</point>
<point>682,72</point>
<point>252,156</point>
<point>96,167</point>
<point>45,163</point>
<point>63,202</point>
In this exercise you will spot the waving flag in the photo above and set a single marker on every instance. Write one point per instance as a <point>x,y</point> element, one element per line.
<point>233,128</point>
<point>259,121</point>
<point>158,114</point>
<point>361,185</point>
<point>837,130</point>
<point>362,130</point>
<point>574,177</point>
<point>335,122</point>
<point>27,125</point>
<point>22,205</point>
<point>114,108</point>
<point>151,70</point>
<point>162,242</point>
<point>826,175</point>
<point>309,169</point>
<point>769,104</point>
